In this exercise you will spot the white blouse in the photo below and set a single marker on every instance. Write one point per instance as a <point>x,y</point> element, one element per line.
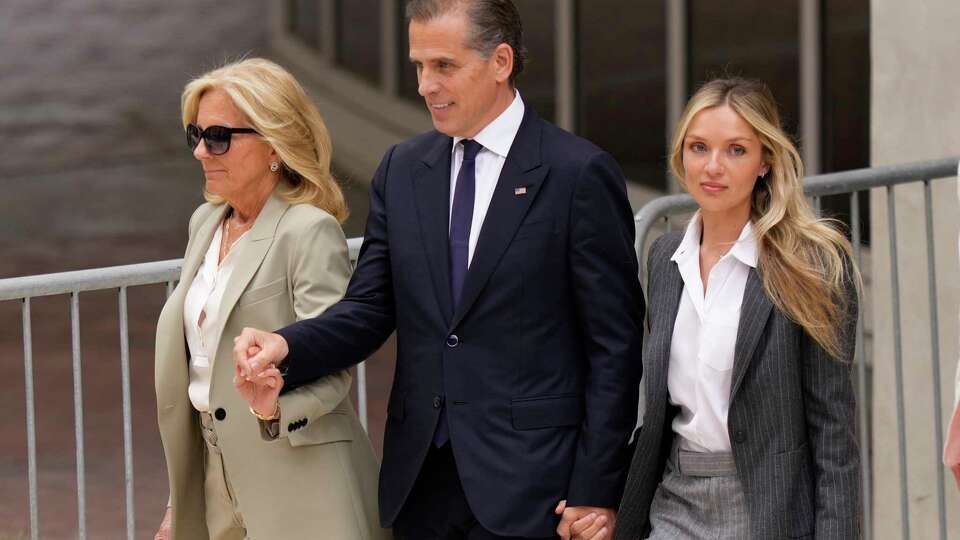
<point>704,336</point>
<point>204,298</point>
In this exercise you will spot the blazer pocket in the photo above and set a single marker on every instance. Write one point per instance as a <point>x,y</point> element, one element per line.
<point>547,411</point>
<point>331,427</point>
<point>274,288</point>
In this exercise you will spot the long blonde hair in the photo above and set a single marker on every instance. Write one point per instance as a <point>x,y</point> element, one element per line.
<point>278,108</point>
<point>805,262</point>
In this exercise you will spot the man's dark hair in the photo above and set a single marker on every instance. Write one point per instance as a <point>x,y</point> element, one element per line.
<point>492,22</point>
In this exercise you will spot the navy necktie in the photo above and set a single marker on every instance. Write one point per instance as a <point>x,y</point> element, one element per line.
<point>461,218</point>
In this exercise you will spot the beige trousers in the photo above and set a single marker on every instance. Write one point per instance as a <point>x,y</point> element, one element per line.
<point>224,521</point>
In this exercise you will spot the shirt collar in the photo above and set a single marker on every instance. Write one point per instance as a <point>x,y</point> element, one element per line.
<point>498,135</point>
<point>690,245</point>
<point>745,249</point>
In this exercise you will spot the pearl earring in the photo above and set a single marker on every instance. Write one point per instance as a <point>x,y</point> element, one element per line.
<point>274,167</point>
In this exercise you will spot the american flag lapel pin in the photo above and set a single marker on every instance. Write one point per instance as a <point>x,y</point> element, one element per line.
<point>520,191</point>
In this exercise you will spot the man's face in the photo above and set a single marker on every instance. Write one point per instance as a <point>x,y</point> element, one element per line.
<point>459,85</point>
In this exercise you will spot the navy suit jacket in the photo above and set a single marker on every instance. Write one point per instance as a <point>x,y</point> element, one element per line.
<point>538,367</point>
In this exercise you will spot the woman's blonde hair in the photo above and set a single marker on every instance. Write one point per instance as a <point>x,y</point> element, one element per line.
<point>278,108</point>
<point>805,262</point>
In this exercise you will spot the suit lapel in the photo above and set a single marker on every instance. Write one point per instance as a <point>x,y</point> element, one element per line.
<point>172,350</point>
<point>522,169</point>
<point>431,182</point>
<point>754,312</point>
<point>670,289</point>
<point>252,254</point>
<point>195,254</point>
<point>199,246</point>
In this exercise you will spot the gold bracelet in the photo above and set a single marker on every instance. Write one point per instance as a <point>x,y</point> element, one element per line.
<point>274,416</point>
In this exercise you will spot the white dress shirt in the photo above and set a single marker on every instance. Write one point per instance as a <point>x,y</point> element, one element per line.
<point>496,139</point>
<point>704,336</point>
<point>204,296</point>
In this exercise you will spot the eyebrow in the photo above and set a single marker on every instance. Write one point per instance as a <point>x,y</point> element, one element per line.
<point>448,59</point>
<point>702,138</point>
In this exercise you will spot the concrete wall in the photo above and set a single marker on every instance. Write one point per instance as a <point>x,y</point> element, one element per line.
<point>915,116</point>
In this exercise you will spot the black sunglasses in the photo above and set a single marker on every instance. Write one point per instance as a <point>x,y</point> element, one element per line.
<point>215,138</point>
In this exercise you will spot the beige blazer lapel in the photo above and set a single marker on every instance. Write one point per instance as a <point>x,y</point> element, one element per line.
<point>171,363</point>
<point>250,258</point>
<point>199,244</point>
<point>196,251</point>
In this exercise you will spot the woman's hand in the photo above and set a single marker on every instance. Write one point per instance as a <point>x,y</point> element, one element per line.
<point>163,533</point>
<point>261,391</point>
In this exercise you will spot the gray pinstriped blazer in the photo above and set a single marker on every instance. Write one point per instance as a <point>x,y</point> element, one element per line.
<point>791,419</point>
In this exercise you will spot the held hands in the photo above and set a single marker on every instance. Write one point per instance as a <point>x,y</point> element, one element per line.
<point>256,377</point>
<point>585,522</point>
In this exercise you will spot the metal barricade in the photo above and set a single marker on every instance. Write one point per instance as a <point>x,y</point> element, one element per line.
<point>660,210</point>
<point>118,278</point>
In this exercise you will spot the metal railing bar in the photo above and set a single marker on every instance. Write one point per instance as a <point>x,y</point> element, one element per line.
<point>112,277</point>
<point>861,179</point>
<point>898,365</point>
<point>78,415</point>
<point>935,356</point>
<point>865,469</point>
<point>31,419</point>
<point>90,280</point>
<point>127,416</point>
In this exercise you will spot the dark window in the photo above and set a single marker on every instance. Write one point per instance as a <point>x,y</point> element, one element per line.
<point>757,39</point>
<point>303,21</point>
<point>358,38</point>
<point>537,84</point>
<point>845,113</point>
<point>621,83</point>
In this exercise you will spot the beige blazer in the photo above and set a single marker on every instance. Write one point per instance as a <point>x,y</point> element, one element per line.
<point>318,479</point>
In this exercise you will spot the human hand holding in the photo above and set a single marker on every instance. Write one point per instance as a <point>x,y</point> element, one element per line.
<point>262,391</point>
<point>268,351</point>
<point>585,522</point>
<point>163,533</point>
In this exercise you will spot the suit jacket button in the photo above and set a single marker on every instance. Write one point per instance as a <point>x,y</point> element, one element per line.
<point>220,414</point>
<point>453,341</point>
<point>740,436</point>
<point>437,402</point>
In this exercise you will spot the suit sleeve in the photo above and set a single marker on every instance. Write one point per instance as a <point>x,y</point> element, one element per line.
<point>319,271</point>
<point>830,409</point>
<point>610,307</point>
<point>356,326</point>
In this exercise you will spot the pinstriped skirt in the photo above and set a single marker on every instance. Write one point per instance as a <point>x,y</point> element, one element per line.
<point>699,497</point>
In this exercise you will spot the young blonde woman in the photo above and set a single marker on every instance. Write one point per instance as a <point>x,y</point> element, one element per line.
<point>749,423</point>
<point>266,250</point>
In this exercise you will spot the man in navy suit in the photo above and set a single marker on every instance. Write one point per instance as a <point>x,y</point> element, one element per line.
<point>500,249</point>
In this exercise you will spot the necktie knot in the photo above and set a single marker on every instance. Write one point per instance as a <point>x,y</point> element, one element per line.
<point>470,149</point>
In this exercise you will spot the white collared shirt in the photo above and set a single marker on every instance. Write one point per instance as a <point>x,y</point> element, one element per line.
<point>496,138</point>
<point>205,295</point>
<point>704,336</point>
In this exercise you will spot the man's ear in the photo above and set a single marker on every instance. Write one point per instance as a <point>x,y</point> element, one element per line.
<point>502,58</point>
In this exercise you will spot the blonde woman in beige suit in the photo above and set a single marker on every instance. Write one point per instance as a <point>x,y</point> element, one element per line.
<point>264,251</point>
